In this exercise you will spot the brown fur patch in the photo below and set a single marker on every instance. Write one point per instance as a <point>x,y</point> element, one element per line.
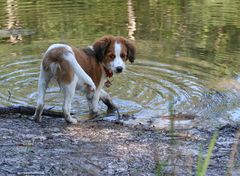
<point>64,72</point>
<point>89,64</point>
<point>128,47</point>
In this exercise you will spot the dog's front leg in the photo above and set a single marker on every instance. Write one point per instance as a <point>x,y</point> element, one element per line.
<point>93,99</point>
<point>107,100</point>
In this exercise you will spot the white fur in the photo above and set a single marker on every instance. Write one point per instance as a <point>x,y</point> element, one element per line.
<point>54,46</point>
<point>97,93</point>
<point>81,74</point>
<point>91,47</point>
<point>68,93</point>
<point>54,67</point>
<point>44,78</point>
<point>118,61</point>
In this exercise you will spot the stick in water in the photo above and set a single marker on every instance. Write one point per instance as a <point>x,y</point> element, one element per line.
<point>119,115</point>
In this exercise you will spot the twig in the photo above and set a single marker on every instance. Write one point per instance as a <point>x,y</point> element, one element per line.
<point>9,95</point>
<point>29,144</point>
<point>28,110</point>
<point>31,173</point>
<point>233,153</point>
<point>118,113</point>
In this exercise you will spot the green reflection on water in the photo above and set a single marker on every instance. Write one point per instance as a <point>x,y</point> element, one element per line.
<point>184,48</point>
<point>208,29</point>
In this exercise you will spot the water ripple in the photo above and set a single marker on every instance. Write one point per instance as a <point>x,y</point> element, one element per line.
<point>147,87</point>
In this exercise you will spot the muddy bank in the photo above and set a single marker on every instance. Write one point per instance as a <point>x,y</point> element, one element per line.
<point>107,148</point>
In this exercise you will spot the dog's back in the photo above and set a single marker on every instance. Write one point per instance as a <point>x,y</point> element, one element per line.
<point>61,61</point>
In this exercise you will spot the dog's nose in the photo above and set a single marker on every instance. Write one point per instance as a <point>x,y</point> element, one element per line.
<point>119,69</point>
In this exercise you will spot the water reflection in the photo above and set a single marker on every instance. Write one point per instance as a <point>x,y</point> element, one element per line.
<point>131,20</point>
<point>12,21</point>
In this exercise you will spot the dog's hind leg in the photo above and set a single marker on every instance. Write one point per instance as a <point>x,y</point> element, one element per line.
<point>43,81</point>
<point>107,100</point>
<point>68,92</point>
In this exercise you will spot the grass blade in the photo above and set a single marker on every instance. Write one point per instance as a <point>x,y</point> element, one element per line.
<point>203,165</point>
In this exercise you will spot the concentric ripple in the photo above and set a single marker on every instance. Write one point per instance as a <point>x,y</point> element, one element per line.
<point>146,89</point>
<point>18,80</point>
<point>191,87</point>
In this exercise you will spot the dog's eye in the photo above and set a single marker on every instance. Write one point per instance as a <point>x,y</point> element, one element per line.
<point>111,56</point>
<point>123,55</point>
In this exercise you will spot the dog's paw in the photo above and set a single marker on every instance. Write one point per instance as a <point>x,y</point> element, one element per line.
<point>93,114</point>
<point>111,108</point>
<point>90,87</point>
<point>71,120</point>
<point>37,119</point>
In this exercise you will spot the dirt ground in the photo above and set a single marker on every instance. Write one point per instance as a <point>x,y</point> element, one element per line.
<point>106,148</point>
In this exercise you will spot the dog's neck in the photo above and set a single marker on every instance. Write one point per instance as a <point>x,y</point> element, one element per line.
<point>108,72</point>
<point>90,52</point>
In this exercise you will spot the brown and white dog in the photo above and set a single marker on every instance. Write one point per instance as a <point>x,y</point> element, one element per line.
<point>85,69</point>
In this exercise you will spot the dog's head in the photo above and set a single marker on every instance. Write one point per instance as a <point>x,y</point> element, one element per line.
<point>113,52</point>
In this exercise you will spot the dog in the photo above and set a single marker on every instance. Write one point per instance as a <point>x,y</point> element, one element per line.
<point>87,69</point>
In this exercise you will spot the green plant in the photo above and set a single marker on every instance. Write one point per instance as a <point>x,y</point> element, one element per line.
<point>202,163</point>
<point>159,168</point>
<point>172,125</point>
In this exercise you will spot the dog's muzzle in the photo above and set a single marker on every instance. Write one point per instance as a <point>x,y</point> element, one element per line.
<point>119,69</point>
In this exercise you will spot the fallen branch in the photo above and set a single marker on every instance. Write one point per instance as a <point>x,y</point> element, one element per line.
<point>28,110</point>
<point>31,173</point>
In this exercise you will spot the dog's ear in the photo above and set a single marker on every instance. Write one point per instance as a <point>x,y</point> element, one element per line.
<point>100,47</point>
<point>131,51</point>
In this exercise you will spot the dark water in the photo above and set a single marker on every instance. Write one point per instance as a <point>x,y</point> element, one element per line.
<point>188,53</point>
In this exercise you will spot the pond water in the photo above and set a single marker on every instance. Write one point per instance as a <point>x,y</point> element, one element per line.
<point>188,54</point>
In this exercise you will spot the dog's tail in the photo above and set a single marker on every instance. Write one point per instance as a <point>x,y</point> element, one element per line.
<point>81,74</point>
<point>67,54</point>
